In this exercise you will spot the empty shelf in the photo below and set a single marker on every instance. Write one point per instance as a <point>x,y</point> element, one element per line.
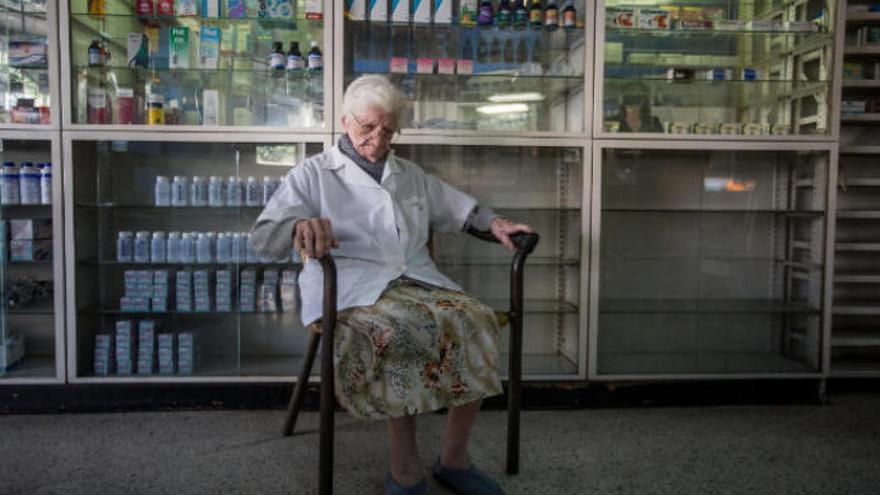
<point>856,308</point>
<point>696,362</point>
<point>861,117</point>
<point>854,338</point>
<point>844,183</point>
<point>857,278</point>
<point>858,246</point>
<point>855,366</point>
<point>860,150</point>
<point>703,306</point>
<point>859,215</point>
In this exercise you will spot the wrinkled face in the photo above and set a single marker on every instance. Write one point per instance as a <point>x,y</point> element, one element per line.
<point>371,132</point>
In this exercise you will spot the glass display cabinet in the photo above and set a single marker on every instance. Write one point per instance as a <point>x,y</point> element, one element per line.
<point>541,184</point>
<point>28,63</point>
<point>855,341</point>
<point>710,262</point>
<point>163,283</point>
<point>196,63</point>
<point>474,66</point>
<point>716,68</point>
<point>31,266</point>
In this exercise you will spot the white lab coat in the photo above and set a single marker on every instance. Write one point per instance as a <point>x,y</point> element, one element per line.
<point>382,229</point>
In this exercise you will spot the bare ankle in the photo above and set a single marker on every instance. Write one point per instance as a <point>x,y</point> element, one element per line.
<point>406,475</point>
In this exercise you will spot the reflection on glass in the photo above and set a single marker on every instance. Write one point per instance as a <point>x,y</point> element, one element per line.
<point>721,67</point>
<point>163,260</point>
<point>24,74</point>
<point>27,282</point>
<point>711,261</point>
<point>196,65</point>
<point>492,75</point>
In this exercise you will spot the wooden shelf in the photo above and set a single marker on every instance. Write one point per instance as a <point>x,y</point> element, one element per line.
<point>859,215</point>
<point>867,83</point>
<point>858,246</point>
<point>862,50</point>
<point>861,117</point>
<point>863,18</point>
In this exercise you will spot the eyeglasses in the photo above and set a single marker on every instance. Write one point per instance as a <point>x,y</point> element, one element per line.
<point>368,129</point>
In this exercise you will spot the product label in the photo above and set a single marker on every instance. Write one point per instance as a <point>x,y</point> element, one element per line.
<point>486,14</point>
<point>314,9</point>
<point>178,48</point>
<point>425,65</point>
<point>551,18</point>
<point>186,8</point>
<point>138,50</point>
<point>235,9</point>
<point>211,8</point>
<point>316,62</point>
<point>442,11</point>
<point>97,7</point>
<point>400,10</point>
<point>209,47</point>
<point>399,65</point>
<point>295,62</point>
<point>569,19</point>
<point>536,16</point>
<point>445,66</point>
<point>165,8</point>
<point>467,14</point>
<point>356,10</point>
<point>421,11</point>
<point>379,10</point>
<point>145,8</point>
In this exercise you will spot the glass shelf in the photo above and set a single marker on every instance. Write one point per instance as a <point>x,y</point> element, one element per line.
<point>770,68</point>
<point>198,70</point>
<point>636,306</point>
<point>476,78</point>
<point>25,94</point>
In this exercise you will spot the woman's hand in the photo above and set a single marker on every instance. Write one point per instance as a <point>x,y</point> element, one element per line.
<point>313,238</point>
<point>502,228</point>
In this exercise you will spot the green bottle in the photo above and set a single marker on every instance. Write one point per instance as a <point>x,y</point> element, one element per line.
<point>520,15</point>
<point>536,14</point>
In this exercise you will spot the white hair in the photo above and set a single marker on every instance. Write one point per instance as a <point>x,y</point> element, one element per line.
<point>371,91</point>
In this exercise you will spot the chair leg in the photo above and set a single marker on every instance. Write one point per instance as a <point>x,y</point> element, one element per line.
<point>299,392</point>
<point>328,405</point>
<point>514,399</point>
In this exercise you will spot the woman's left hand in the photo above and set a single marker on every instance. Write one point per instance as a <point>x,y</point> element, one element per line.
<point>502,228</point>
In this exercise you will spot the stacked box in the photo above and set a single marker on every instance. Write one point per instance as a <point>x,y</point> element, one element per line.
<point>269,292</point>
<point>146,347</point>
<point>103,351</point>
<point>183,291</point>
<point>30,250</point>
<point>202,290</point>
<point>125,348</point>
<point>138,291</point>
<point>3,237</point>
<point>29,229</point>
<point>224,291</point>
<point>289,303</point>
<point>247,290</point>
<point>188,355</point>
<point>30,239</point>
<point>166,354</point>
<point>160,291</point>
<point>11,351</point>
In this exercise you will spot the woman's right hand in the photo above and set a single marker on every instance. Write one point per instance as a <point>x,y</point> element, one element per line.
<point>313,238</point>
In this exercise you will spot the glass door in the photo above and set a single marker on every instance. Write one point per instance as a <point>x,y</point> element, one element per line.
<point>166,284</point>
<point>710,261</point>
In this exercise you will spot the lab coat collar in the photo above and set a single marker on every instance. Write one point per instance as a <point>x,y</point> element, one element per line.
<point>353,174</point>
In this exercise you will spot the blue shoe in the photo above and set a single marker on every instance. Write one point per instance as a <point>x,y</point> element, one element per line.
<point>392,488</point>
<point>470,481</point>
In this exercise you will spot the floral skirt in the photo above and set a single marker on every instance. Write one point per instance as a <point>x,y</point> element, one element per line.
<point>417,349</point>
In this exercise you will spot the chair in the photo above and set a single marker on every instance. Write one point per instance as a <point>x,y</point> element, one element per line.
<point>525,245</point>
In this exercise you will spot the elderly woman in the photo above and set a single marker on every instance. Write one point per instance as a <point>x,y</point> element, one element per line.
<point>408,340</point>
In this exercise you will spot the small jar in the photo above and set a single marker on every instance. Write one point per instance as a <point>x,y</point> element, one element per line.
<point>199,191</point>
<point>204,249</point>
<point>125,246</point>
<point>216,191</point>
<point>180,191</point>
<point>163,191</point>
<point>155,110</point>
<point>142,247</point>
<point>224,248</point>
<point>234,191</point>
<point>253,195</point>
<point>187,248</point>
<point>173,251</point>
<point>158,248</point>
